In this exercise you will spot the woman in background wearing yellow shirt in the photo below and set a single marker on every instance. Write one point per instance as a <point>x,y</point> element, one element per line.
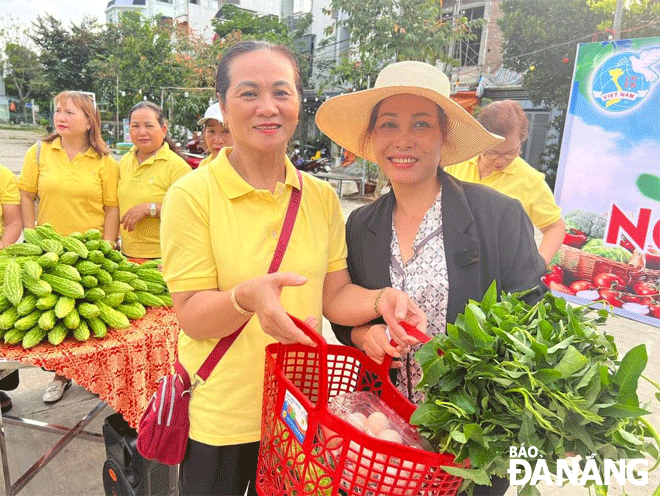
<point>216,133</point>
<point>503,169</point>
<point>11,223</point>
<point>75,179</point>
<point>10,229</point>
<point>145,174</point>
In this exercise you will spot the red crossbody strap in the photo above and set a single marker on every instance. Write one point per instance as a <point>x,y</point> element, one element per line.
<point>289,220</point>
<point>179,369</point>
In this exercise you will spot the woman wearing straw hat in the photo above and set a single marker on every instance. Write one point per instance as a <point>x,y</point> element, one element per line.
<point>438,239</point>
<point>216,132</point>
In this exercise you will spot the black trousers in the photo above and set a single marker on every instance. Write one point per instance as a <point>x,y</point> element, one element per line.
<point>219,470</point>
<point>498,488</point>
<point>10,382</point>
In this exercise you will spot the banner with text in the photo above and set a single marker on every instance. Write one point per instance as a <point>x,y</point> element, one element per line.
<point>608,180</point>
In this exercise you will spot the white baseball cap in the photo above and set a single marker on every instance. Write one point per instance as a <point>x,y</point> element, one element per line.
<point>213,112</point>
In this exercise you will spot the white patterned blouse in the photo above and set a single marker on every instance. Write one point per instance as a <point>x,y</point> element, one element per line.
<point>424,278</point>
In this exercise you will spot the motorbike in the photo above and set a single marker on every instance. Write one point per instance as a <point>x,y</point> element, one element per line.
<point>192,152</point>
<point>311,160</point>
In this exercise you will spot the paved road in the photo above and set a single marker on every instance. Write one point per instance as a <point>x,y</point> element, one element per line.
<point>13,145</point>
<point>77,470</point>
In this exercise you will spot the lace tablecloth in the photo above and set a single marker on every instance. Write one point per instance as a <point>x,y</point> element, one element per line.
<point>121,368</point>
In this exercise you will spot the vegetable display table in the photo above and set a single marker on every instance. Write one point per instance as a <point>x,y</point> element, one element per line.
<point>121,369</point>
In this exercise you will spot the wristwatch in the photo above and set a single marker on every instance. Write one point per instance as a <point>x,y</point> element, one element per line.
<point>152,210</point>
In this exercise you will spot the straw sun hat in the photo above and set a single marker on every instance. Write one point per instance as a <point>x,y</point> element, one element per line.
<point>345,118</point>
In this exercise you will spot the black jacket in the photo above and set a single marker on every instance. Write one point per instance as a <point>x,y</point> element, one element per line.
<point>487,236</point>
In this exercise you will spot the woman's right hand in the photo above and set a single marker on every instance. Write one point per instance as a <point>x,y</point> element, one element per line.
<point>262,296</point>
<point>376,343</point>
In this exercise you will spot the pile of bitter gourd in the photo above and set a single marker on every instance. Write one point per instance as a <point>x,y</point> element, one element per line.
<point>54,285</point>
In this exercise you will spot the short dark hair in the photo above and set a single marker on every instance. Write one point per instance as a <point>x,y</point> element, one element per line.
<point>243,47</point>
<point>160,117</point>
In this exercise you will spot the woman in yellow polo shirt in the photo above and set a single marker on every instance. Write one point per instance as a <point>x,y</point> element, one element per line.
<point>220,228</point>
<point>502,168</point>
<point>75,179</point>
<point>10,229</point>
<point>11,223</point>
<point>145,174</point>
<point>216,133</point>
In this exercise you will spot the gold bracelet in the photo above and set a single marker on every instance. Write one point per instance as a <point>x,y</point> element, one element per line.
<point>237,307</point>
<point>377,301</point>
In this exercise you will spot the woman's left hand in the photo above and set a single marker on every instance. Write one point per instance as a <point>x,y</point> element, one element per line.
<point>395,306</point>
<point>375,342</point>
<point>130,219</point>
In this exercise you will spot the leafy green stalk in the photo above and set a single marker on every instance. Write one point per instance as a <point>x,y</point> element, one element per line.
<point>511,374</point>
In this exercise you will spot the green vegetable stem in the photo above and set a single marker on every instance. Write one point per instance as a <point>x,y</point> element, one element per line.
<point>544,376</point>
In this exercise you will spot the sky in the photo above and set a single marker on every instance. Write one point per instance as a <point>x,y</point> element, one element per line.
<point>65,10</point>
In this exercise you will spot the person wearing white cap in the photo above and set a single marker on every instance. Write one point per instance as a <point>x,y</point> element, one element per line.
<point>432,236</point>
<point>216,132</point>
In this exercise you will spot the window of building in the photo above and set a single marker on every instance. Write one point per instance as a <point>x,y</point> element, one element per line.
<point>539,125</point>
<point>195,2</point>
<point>165,1</point>
<point>469,49</point>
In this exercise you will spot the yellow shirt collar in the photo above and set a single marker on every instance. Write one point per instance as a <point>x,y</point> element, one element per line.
<point>233,185</point>
<point>511,169</point>
<point>161,154</point>
<point>56,144</point>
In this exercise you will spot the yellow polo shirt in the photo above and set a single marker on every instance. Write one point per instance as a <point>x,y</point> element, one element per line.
<point>518,180</point>
<point>206,161</point>
<point>72,193</point>
<point>9,194</point>
<point>146,183</point>
<point>217,231</point>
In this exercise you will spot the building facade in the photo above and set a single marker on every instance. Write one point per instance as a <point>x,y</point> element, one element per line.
<point>481,72</point>
<point>197,14</point>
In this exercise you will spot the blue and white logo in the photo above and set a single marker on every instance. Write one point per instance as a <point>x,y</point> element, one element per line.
<point>624,80</point>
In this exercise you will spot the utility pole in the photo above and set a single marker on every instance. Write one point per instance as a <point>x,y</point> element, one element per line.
<point>117,112</point>
<point>618,14</point>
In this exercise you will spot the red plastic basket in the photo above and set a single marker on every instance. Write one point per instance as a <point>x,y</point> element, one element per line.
<point>305,450</point>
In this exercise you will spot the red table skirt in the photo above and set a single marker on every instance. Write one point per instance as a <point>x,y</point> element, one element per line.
<point>121,368</point>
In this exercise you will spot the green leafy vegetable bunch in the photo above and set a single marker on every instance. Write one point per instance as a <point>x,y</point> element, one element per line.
<point>511,374</point>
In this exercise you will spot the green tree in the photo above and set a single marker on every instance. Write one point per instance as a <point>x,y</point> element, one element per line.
<point>640,18</point>
<point>24,73</point>
<point>197,58</point>
<point>382,31</point>
<point>540,39</point>
<point>136,63</point>
<point>67,53</point>
<point>237,24</point>
<point>250,24</point>
<point>20,65</point>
